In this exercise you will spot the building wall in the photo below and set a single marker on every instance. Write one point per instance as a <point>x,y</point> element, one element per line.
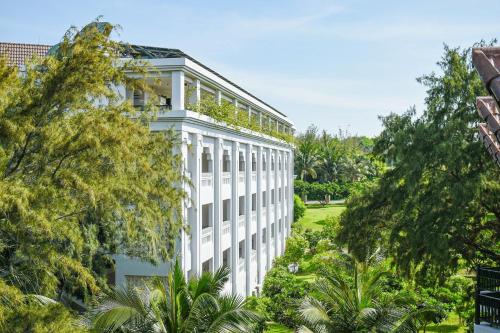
<point>267,166</point>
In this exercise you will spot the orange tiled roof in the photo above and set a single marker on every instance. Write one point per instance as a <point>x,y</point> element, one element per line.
<point>18,54</point>
<point>486,60</point>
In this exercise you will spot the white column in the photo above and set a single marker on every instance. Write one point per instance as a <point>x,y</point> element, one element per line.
<point>268,208</point>
<point>218,97</point>
<point>276,206</point>
<point>234,216</point>
<point>290,189</point>
<point>260,273</point>
<point>178,90</point>
<point>248,219</point>
<point>282,203</point>
<point>217,178</point>
<point>195,96</point>
<point>185,206</point>
<point>196,223</point>
<point>249,110</point>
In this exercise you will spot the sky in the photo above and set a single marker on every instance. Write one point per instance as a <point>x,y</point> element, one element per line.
<point>336,64</point>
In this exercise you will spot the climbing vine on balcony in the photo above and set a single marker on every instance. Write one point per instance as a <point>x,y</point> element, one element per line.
<point>236,118</point>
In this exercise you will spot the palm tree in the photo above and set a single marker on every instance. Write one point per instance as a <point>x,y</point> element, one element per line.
<point>183,306</point>
<point>356,304</point>
<point>306,156</point>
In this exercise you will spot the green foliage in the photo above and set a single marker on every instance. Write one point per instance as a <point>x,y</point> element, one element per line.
<point>177,306</point>
<point>230,115</point>
<point>439,204</point>
<point>299,208</point>
<point>80,180</point>
<point>337,158</point>
<point>295,248</point>
<point>284,291</point>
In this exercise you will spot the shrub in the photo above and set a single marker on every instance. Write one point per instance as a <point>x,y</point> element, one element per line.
<point>285,292</point>
<point>299,208</point>
<point>296,246</point>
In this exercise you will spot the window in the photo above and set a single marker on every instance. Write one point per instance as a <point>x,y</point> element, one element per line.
<point>272,196</point>
<point>264,201</point>
<point>279,194</point>
<point>254,162</point>
<point>206,266</point>
<point>241,208</point>
<point>264,235</point>
<point>254,202</point>
<point>226,258</point>
<point>206,211</point>
<point>241,249</point>
<point>272,230</point>
<point>264,165</point>
<point>226,162</point>
<point>138,98</point>
<point>254,242</point>
<point>206,160</point>
<point>226,210</point>
<point>272,163</point>
<point>279,163</point>
<point>242,162</point>
<point>280,225</point>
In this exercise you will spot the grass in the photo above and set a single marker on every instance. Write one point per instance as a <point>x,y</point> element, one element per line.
<point>278,328</point>
<point>315,215</point>
<point>451,324</point>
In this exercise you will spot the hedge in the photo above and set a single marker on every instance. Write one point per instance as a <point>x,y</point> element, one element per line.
<point>317,191</point>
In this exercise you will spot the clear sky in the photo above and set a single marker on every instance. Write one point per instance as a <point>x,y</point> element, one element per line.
<point>337,64</point>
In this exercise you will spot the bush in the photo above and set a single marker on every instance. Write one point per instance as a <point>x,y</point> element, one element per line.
<point>282,294</point>
<point>317,191</point>
<point>299,208</point>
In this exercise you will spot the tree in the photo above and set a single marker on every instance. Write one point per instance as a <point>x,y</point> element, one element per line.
<point>81,175</point>
<point>306,155</point>
<point>356,303</point>
<point>439,204</point>
<point>178,306</point>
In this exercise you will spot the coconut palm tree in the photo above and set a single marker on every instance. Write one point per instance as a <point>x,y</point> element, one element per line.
<point>356,304</point>
<point>306,156</point>
<point>177,306</point>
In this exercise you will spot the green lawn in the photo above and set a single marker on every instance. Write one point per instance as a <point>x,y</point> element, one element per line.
<point>278,328</point>
<point>315,215</point>
<point>451,324</point>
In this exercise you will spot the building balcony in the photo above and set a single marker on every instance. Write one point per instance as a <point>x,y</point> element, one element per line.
<point>487,316</point>
<point>264,211</point>
<point>254,216</point>
<point>241,222</point>
<point>226,178</point>
<point>241,177</point>
<point>226,228</point>
<point>254,255</point>
<point>254,176</point>
<point>206,179</point>
<point>241,265</point>
<point>206,235</point>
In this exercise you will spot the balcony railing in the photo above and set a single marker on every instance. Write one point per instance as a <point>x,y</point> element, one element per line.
<point>241,265</point>
<point>226,227</point>
<point>241,177</point>
<point>206,179</point>
<point>254,176</point>
<point>254,216</point>
<point>206,235</point>
<point>254,255</point>
<point>488,296</point>
<point>241,221</point>
<point>226,178</point>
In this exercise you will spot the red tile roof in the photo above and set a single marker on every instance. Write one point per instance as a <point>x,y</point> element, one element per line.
<point>18,54</point>
<point>487,63</point>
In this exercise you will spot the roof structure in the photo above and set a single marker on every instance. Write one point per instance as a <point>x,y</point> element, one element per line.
<point>487,63</point>
<point>17,54</point>
<point>151,52</point>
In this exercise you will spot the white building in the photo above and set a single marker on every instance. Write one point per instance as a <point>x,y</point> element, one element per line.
<point>242,195</point>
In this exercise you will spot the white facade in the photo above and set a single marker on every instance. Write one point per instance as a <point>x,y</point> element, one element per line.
<point>241,204</point>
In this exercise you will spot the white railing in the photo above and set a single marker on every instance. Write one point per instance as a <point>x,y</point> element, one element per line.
<point>226,227</point>
<point>254,176</point>
<point>206,235</point>
<point>272,175</point>
<point>264,211</point>
<point>254,217</point>
<point>241,264</point>
<point>226,178</point>
<point>254,255</point>
<point>241,177</point>
<point>241,221</point>
<point>206,179</point>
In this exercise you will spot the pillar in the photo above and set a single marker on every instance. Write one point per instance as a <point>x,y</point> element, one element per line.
<point>248,219</point>
<point>217,179</point>
<point>234,216</point>
<point>196,221</point>
<point>178,90</point>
